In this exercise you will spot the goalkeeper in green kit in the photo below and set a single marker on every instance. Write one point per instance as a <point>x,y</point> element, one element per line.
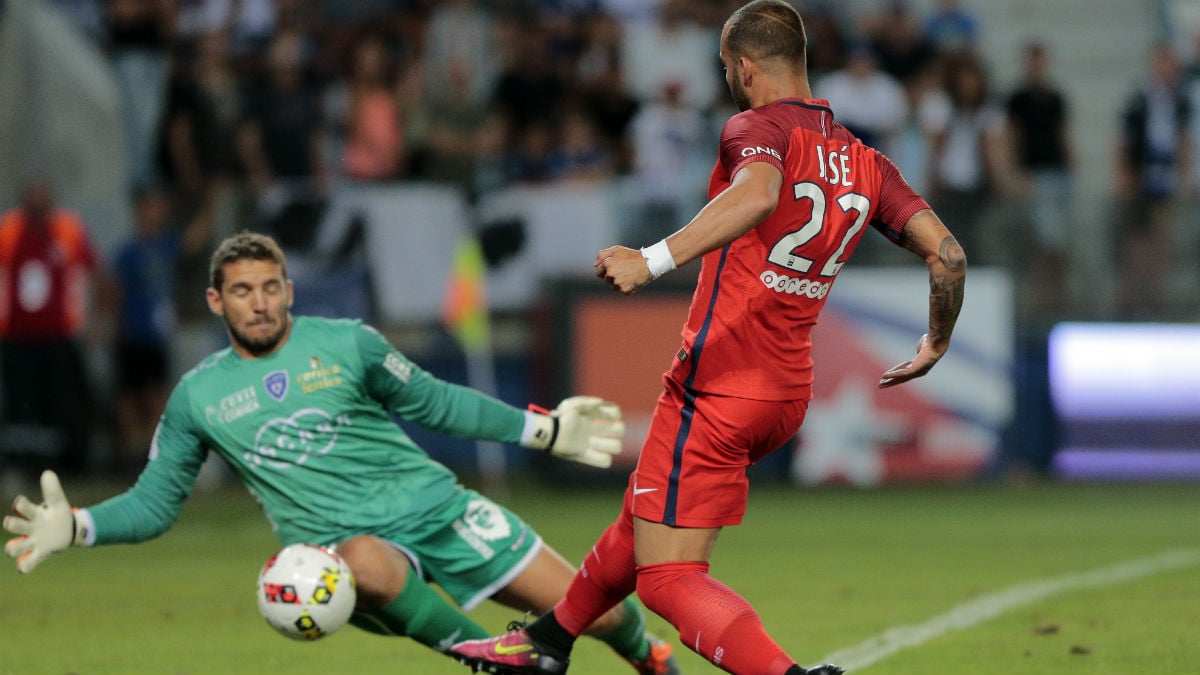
<point>301,409</point>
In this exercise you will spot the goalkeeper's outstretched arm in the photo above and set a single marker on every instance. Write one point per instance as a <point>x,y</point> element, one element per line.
<point>142,512</point>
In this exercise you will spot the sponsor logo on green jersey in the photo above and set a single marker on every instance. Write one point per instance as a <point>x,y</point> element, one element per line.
<point>232,407</point>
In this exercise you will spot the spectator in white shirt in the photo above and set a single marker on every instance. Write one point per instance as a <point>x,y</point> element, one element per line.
<point>868,101</point>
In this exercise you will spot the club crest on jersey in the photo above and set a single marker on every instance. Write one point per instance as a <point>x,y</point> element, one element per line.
<point>276,383</point>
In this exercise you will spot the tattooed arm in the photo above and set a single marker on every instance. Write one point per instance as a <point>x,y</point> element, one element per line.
<point>926,236</point>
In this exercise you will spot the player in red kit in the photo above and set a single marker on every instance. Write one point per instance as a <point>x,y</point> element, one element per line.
<point>791,195</point>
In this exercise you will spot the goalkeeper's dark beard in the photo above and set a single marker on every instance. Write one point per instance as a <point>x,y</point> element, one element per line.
<point>263,345</point>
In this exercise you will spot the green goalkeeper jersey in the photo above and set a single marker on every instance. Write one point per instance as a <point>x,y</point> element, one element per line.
<point>309,431</point>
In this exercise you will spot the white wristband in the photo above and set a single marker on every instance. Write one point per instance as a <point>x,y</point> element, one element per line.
<point>540,431</point>
<point>658,258</point>
<point>85,528</point>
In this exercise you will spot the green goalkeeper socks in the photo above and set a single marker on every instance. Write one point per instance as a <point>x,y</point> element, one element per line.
<point>421,613</point>
<point>629,638</point>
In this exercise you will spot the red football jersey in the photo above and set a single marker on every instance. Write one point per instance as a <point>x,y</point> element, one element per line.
<point>43,275</point>
<point>747,331</point>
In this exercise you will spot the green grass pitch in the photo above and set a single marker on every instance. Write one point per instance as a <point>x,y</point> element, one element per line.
<point>827,569</point>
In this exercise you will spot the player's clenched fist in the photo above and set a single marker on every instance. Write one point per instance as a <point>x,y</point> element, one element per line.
<point>44,528</point>
<point>625,269</point>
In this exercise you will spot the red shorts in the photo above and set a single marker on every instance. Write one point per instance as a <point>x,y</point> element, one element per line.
<point>692,470</point>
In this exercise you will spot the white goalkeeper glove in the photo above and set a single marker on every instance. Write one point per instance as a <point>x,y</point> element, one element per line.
<point>44,528</point>
<point>584,429</point>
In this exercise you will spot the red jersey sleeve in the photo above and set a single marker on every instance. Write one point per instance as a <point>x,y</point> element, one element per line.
<point>897,201</point>
<point>750,137</point>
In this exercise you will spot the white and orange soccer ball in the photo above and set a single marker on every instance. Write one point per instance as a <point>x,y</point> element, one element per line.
<point>306,591</point>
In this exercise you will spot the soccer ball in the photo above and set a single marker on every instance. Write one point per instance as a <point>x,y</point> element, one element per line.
<point>306,591</point>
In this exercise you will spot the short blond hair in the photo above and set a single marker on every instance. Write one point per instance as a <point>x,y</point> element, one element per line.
<point>244,246</point>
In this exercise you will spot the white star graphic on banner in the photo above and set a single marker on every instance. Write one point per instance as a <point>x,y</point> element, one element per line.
<point>842,437</point>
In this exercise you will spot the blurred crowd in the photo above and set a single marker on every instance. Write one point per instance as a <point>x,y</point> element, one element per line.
<point>250,113</point>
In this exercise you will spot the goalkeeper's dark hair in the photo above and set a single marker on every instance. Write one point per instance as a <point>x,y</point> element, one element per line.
<point>244,246</point>
<point>767,29</point>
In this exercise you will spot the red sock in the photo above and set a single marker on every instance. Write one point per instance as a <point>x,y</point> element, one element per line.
<point>712,619</point>
<point>605,578</point>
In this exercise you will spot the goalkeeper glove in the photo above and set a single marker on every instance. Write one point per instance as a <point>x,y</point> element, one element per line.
<point>44,528</point>
<point>584,429</point>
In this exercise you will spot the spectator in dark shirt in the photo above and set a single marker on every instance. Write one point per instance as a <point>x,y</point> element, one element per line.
<point>1038,127</point>
<point>203,113</point>
<point>1153,161</point>
<point>144,274</point>
<point>897,40</point>
<point>138,35</point>
<point>280,140</point>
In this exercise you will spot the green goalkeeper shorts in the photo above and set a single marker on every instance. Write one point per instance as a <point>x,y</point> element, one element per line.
<point>479,550</point>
